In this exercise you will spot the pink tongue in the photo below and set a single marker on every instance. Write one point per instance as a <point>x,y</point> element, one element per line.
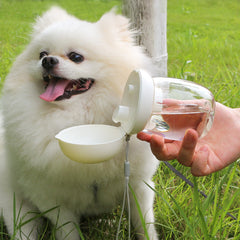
<point>54,89</point>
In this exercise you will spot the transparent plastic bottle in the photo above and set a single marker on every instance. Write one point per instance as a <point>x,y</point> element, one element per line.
<point>179,105</point>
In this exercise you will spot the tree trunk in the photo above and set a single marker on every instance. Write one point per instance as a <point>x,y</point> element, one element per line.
<point>149,18</point>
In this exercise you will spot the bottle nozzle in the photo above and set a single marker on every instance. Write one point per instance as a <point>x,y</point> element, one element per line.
<point>120,114</point>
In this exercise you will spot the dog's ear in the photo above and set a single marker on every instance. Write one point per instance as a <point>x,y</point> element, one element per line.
<point>116,27</point>
<point>53,15</point>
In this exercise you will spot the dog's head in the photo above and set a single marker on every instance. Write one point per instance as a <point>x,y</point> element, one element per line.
<point>58,86</point>
<point>74,57</point>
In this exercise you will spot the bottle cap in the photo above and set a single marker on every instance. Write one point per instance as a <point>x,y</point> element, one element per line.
<point>136,106</point>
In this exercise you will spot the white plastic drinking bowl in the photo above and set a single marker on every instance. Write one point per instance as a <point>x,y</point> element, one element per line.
<point>91,143</point>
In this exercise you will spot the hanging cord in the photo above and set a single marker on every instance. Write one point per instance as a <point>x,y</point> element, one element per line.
<point>126,191</point>
<point>191,184</point>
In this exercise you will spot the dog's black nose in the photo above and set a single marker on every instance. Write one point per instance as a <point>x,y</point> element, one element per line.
<point>49,62</point>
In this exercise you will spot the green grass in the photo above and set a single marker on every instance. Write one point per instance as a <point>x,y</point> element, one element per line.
<point>206,34</point>
<point>203,46</point>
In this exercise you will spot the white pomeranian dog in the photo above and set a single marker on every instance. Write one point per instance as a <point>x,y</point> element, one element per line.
<point>73,72</point>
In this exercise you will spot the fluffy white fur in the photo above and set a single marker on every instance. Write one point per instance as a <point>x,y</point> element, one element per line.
<point>33,166</point>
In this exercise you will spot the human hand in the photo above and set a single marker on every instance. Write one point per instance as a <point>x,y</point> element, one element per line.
<point>213,152</point>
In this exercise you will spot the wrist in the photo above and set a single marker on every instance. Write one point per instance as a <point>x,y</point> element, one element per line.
<point>228,120</point>
<point>236,127</point>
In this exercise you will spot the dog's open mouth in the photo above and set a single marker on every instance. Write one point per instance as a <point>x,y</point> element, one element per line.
<point>58,88</point>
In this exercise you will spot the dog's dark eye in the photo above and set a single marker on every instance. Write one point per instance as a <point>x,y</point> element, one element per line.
<point>75,57</point>
<point>43,54</point>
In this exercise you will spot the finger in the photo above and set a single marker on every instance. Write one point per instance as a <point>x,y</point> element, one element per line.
<point>144,136</point>
<point>157,145</point>
<point>200,165</point>
<point>206,162</point>
<point>162,150</point>
<point>187,149</point>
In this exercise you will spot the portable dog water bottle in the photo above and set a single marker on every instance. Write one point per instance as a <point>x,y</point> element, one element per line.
<point>164,106</point>
<point>176,105</point>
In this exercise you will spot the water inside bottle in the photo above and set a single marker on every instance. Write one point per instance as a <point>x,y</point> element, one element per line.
<point>173,120</point>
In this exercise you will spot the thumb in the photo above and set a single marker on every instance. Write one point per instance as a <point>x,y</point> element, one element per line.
<point>201,159</point>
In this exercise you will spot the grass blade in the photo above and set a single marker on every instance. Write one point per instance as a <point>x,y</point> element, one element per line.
<point>140,213</point>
